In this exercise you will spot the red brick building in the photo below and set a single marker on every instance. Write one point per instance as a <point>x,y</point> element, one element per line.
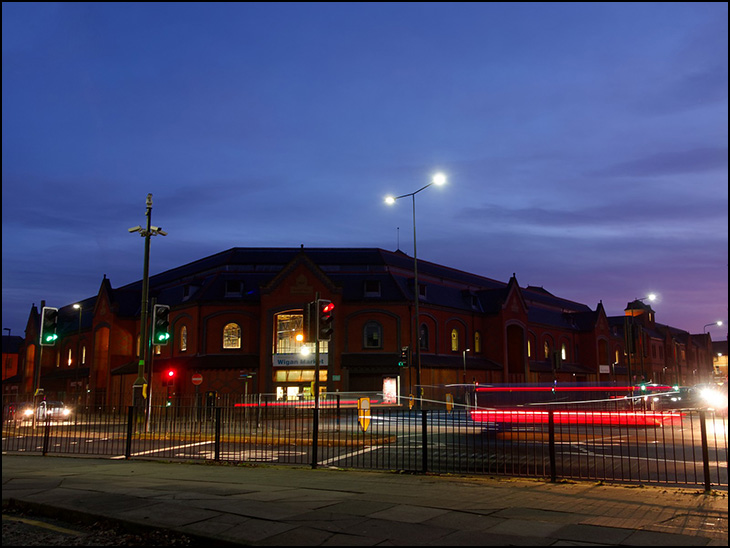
<point>235,317</point>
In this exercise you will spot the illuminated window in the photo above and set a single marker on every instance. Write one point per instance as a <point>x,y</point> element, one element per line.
<point>373,335</point>
<point>546,349</point>
<point>83,355</point>
<point>477,342</point>
<point>563,352</point>
<point>69,357</point>
<point>529,348</point>
<point>232,336</point>
<point>454,340</point>
<point>183,338</point>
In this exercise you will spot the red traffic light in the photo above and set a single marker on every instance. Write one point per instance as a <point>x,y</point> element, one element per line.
<point>170,373</point>
<point>329,307</point>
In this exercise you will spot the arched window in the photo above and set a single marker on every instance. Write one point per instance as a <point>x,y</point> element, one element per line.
<point>563,352</point>
<point>424,337</point>
<point>232,336</point>
<point>454,340</point>
<point>477,342</point>
<point>183,338</point>
<point>546,349</point>
<point>372,335</point>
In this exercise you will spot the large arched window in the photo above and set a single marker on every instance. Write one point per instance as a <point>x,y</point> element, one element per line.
<point>454,340</point>
<point>372,335</point>
<point>232,336</point>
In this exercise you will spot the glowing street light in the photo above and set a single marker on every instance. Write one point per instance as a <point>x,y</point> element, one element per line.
<point>438,179</point>
<point>718,323</point>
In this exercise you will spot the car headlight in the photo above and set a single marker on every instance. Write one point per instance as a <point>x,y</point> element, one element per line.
<point>66,412</point>
<point>28,412</point>
<point>713,398</point>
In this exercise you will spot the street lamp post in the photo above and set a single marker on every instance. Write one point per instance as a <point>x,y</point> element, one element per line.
<point>138,387</point>
<point>718,323</point>
<point>438,179</point>
<point>77,306</point>
<point>464,355</point>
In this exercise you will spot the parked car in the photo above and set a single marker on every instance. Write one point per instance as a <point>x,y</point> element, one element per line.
<point>53,410</point>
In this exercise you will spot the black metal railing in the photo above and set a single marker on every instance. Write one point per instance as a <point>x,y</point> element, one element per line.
<point>679,447</point>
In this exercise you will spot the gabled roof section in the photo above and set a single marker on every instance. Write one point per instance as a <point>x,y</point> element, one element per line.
<point>301,259</point>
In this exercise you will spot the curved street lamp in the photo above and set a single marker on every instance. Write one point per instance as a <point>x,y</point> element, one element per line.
<point>438,179</point>
<point>718,323</point>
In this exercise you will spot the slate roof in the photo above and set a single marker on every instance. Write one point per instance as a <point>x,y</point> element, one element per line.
<point>204,280</point>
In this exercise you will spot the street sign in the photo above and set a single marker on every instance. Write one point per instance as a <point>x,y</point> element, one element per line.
<point>197,379</point>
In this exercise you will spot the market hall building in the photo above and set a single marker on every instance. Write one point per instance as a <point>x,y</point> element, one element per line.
<point>236,320</point>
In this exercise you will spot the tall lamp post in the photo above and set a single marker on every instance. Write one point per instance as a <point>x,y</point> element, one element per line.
<point>438,179</point>
<point>718,323</point>
<point>138,387</point>
<point>77,306</point>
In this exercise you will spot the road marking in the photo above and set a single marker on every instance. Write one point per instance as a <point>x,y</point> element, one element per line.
<point>350,455</point>
<point>161,449</point>
<point>44,525</point>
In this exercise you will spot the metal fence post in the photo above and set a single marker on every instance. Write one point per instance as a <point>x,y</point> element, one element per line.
<point>130,426</point>
<point>705,450</point>
<point>46,435</point>
<point>551,444</point>
<point>424,441</point>
<point>218,434</point>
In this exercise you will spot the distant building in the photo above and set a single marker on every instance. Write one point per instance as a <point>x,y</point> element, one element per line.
<point>719,360</point>
<point>12,347</point>
<point>235,317</point>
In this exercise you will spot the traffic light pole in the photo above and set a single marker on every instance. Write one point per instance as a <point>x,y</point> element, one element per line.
<point>315,420</point>
<point>137,390</point>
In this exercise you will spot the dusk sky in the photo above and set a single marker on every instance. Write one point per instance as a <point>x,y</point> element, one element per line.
<point>585,145</point>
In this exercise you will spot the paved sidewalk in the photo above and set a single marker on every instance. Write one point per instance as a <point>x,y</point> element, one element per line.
<point>282,506</point>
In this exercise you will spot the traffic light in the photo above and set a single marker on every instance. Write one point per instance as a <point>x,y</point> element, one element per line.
<point>168,378</point>
<point>403,362</point>
<point>325,319</point>
<point>49,326</point>
<point>161,324</point>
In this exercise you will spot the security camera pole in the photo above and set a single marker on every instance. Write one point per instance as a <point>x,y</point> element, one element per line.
<point>140,382</point>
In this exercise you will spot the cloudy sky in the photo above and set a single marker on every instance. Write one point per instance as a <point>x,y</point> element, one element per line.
<point>585,144</point>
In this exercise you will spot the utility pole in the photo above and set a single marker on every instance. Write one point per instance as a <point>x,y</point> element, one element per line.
<point>140,382</point>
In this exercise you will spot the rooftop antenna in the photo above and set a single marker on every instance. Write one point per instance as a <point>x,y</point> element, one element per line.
<point>397,229</point>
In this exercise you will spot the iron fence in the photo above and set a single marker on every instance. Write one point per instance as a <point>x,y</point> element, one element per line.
<point>680,447</point>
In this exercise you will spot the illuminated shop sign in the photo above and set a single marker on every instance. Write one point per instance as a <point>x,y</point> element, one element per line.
<point>297,360</point>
